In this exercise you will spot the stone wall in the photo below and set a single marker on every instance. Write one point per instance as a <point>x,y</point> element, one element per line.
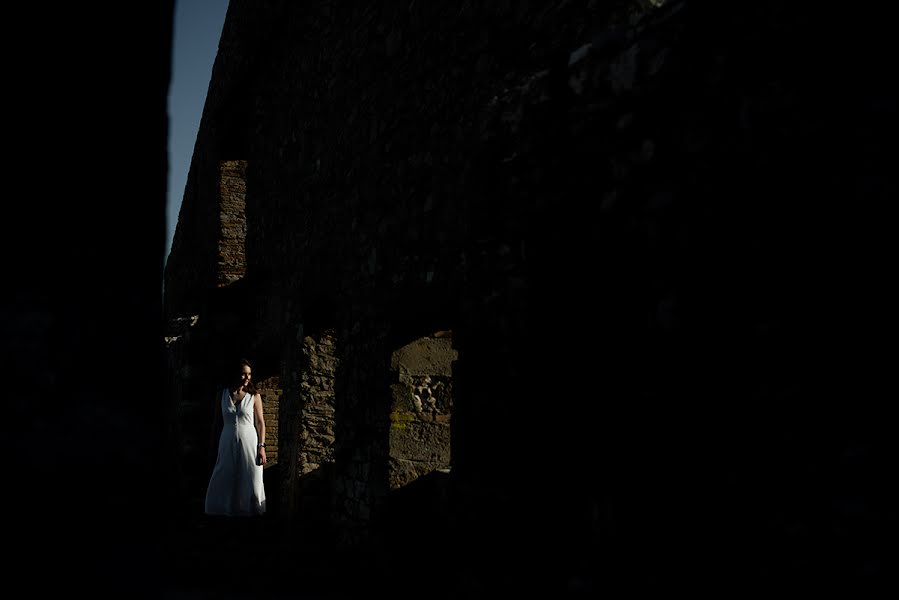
<point>422,408</point>
<point>308,423</point>
<point>232,238</point>
<point>317,390</point>
<point>629,215</point>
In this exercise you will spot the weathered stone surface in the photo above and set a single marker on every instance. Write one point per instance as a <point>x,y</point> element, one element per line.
<point>625,212</point>
<point>424,442</point>
<point>425,356</point>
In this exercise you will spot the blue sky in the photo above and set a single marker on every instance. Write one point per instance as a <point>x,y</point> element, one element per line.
<point>196,30</point>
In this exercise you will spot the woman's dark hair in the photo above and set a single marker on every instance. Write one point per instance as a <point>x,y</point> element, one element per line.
<point>251,386</point>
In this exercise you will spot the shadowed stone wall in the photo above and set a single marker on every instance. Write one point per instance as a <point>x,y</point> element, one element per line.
<point>308,436</point>
<point>232,239</point>
<point>652,229</point>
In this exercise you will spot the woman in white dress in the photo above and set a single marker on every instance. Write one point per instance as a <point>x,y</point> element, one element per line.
<point>235,486</point>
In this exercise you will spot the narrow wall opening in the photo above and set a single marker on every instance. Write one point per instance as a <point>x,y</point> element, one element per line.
<point>421,408</point>
<point>413,522</point>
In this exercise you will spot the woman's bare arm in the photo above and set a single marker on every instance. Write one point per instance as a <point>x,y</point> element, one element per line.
<point>259,422</point>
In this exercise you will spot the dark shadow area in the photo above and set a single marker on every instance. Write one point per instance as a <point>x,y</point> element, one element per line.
<point>663,248</point>
<point>259,557</point>
<point>413,547</point>
<point>80,323</point>
<point>414,521</point>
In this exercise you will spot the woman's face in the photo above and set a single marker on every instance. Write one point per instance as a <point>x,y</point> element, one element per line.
<point>245,375</point>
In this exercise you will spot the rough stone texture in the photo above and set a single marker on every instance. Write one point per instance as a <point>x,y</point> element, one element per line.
<point>422,408</point>
<point>308,423</point>
<point>694,189</point>
<point>425,357</point>
<point>317,389</point>
<point>232,239</point>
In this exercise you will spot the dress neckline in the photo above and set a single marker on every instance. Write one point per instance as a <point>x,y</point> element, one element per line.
<point>231,398</point>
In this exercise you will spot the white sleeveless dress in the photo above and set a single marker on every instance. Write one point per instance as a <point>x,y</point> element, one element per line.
<point>235,486</point>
